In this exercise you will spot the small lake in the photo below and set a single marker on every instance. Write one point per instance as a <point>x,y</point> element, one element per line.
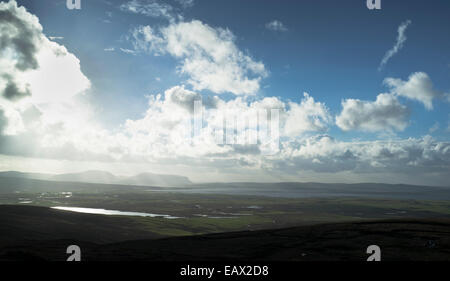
<point>112,212</point>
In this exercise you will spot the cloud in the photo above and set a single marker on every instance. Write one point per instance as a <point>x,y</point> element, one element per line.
<point>447,97</point>
<point>207,55</point>
<point>41,80</point>
<point>384,114</point>
<point>164,132</point>
<point>167,124</point>
<point>434,128</point>
<point>186,3</point>
<point>12,91</point>
<point>418,87</point>
<point>20,38</point>
<point>401,39</point>
<point>67,80</point>
<point>182,97</point>
<point>276,25</point>
<point>111,49</point>
<point>53,38</point>
<point>150,8</point>
<point>20,35</point>
<point>413,156</point>
<point>128,51</point>
<point>29,59</point>
<point>308,116</point>
<point>146,39</point>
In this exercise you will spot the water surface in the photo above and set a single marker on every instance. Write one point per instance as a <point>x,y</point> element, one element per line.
<point>112,212</point>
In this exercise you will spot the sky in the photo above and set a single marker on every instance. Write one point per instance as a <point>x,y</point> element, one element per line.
<point>361,95</point>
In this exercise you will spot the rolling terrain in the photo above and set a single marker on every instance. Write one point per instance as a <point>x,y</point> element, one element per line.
<point>401,239</point>
<point>246,221</point>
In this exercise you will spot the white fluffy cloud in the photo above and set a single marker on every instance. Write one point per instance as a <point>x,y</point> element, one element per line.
<point>43,79</point>
<point>308,116</point>
<point>384,114</point>
<point>418,87</point>
<point>166,130</point>
<point>58,77</point>
<point>207,55</point>
<point>39,75</point>
<point>31,64</point>
<point>167,123</point>
<point>325,154</point>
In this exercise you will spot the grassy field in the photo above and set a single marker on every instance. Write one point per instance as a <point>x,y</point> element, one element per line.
<point>40,233</point>
<point>202,214</point>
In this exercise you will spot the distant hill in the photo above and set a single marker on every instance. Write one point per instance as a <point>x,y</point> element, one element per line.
<point>144,179</point>
<point>88,176</point>
<point>15,174</point>
<point>25,185</point>
<point>98,181</point>
<point>316,189</point>
<point>155,179</point>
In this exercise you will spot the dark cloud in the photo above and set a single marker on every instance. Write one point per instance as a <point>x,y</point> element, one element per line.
<point>21,36</point>
<point>12,91</point>
<point>186,99</point>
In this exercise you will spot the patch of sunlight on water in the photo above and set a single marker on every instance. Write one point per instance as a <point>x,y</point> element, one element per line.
<point>111,212</point>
